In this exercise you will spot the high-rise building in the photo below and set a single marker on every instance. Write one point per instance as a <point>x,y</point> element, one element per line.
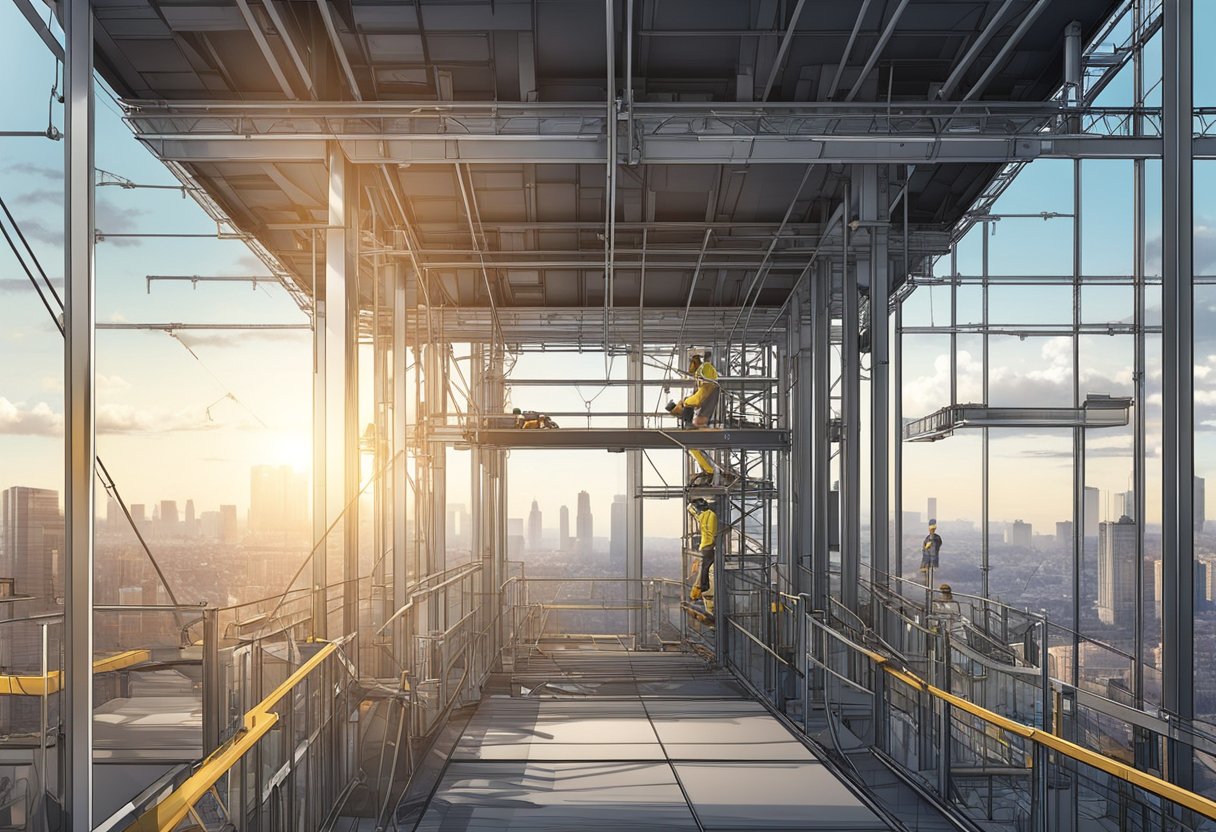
<point>31,540</point>
<point>1204,588</point>
<point>1064,533</point>
<point>1125,504</point>
<point>1019,534</point>
<point>170,525</point>
<point>139,514</point>
<point>563,534</point>
<point>113,515</point>
<point>583,524</point>
<point>932,509</point>
<point>229,531</point>
<point>535,529</point>
<point>1091,512</point>
<point>190,527</point>
<point>1200,505</point>
<point>1117,572</point>
<point>515,537</point>
<point>278,501</point>
<point>617,543</point>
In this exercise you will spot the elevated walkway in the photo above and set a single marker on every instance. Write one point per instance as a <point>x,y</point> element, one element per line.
<point>620,439</point>
<point>594,739</point>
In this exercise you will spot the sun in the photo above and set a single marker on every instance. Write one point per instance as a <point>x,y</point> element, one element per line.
<point>292,449</point>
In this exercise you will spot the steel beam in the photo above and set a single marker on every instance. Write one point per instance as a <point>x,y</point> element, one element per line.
<point>634,565</point>
<point>79,435</point>
<point>1007,49</point>
<point>850,451</point>
<point>873,209</point>
<point>400,434</point>
<point>876,52</point>
<point>981,40</point>
<point>1178,420</point>
<point>821,452</point>
<point>666,149</point>
<point>619,439</point>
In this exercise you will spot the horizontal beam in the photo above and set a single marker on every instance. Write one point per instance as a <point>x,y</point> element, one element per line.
<point>558,326</point>
<point>701,133</point>
<point>668,149</point>
<point>616,439</point>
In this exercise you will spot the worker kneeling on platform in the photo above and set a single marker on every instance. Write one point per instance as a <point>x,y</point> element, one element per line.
<point>531,420</point>
<point>707,523</point>
<point>699,409</point>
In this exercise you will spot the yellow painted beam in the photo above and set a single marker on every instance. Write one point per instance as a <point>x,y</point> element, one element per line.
<point>53,682</point>
<point>166,814</point>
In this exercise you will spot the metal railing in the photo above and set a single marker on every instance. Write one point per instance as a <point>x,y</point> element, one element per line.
<point>284,767</point>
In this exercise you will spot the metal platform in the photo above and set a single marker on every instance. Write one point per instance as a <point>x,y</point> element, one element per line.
<point>621,439</point>
<point>1097,412</point>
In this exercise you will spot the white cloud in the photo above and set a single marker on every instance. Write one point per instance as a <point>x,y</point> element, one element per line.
<point>20,419</point>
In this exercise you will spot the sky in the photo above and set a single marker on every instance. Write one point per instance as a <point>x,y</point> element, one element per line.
<point>186,418</point>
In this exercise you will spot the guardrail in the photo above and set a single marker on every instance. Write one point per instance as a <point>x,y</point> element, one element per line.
<point>252,783</point>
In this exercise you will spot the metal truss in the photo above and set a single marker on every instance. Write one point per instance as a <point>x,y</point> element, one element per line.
<point>719,133</point>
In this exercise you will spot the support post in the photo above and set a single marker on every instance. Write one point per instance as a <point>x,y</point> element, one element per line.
<point>1177,293</point>
<point>821,410</point>
<point>79,434</point>
<point>850,456</point>
<point>633,505</point>
<point>401,501</point>
<point>873,199</point>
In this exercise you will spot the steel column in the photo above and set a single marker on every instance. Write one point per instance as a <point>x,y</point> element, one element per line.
<point>850,453</point>
<point>873,211</point>
<point>401,544</point>
<point>821,452</point>
<point>79,434</point>
<point>634,564</point>
<point>1177,293</point>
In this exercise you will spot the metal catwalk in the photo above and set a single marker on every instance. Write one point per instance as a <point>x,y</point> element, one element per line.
<point>594,739</point>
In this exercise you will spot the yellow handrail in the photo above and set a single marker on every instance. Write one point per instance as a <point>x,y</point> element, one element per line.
<point>166,814</point>
<point>1155,785</point>
<point>52,683</point>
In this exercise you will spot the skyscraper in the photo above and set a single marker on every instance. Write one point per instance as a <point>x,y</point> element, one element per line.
<point>563,535</point>
<point>278,500</point>
<point>1064,532</point>
<point>932,508</point>
<point>1091,512</point>
<point>228,525</point>
<point>1019,534</point>
<point>190,527</point>
<point>617,544</point>
<point>31,539</point>
<point>515,537</point>
<point>169,525</point>
<point>584,525</point>
<point>1117,572</point>
<point>534,528</point>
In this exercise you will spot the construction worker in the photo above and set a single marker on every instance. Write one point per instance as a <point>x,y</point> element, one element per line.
<point>707,523</point>
<point>698,409</point>
<point>931,548</point>
<point>531,420</point>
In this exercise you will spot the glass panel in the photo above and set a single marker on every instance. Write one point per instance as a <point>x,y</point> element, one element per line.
<point>1105,304</point>
<point>1031,305</point>
<point>1107,218</point>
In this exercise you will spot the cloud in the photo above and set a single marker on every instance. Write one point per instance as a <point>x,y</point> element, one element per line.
<point>17,285</point>
<point>110,218</point>
<point>42,171</point>
<point>241,338</point>
<point>19,419</point>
